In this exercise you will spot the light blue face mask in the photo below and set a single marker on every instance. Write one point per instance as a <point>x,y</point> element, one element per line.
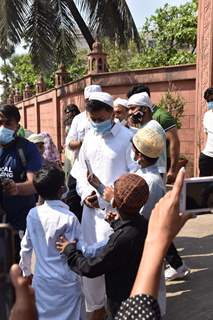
<point>102,127</point>
<point>210,105</point>
<point>6,135</point>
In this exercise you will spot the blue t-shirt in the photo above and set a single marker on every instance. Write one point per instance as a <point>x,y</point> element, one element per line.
<point>11,166</point>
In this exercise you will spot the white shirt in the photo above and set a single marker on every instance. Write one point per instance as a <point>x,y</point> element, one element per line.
<point>208,128</point>
<point>156,188</point>
<point>109,157</point>
<point>80,125</point>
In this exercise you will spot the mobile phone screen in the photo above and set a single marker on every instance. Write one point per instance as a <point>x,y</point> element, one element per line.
<point>199,195</point>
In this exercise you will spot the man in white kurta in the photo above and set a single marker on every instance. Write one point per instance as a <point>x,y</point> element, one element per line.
<point>106,150</point>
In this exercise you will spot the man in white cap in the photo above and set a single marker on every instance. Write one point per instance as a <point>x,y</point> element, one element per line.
<point>80,124</point>
<point>121,110</point>
<point>140,115</point>
<point>106,153</point>
<point>169,125</point>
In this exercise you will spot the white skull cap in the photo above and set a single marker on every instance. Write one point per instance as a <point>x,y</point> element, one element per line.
<point>103,97</point>
<point>149,142</point>
<point>140,99</point>
<point>90,89</point>
<point>121,102</point>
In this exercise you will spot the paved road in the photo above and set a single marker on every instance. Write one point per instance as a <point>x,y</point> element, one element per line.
<point>193,299</point>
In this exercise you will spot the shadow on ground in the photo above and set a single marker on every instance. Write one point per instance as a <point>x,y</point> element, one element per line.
<point>192,299</point>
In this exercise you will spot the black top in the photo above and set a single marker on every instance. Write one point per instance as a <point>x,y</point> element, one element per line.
<point>119,260</point>
<point>139,307</point>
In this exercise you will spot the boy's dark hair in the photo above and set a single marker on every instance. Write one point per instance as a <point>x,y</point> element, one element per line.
<point>96,105</point>
<point>138,89</point>
<point>207,93</point>
<point>72,108</point>
<point>152,161</point>
<point>48,182</point>
<point>10,112</point>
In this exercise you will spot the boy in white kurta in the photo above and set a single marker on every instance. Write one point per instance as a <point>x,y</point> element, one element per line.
<point>57,289</point>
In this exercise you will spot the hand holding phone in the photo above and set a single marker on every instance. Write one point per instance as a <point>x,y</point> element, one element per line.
<point>197,195</point>
<point>94,180</point>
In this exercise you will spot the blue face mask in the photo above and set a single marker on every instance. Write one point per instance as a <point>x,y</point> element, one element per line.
<point>210,105</point>
<point>102,127</point>
<point>6,135</point>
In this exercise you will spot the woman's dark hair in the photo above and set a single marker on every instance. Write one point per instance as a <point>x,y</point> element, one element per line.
<point>10,111</point>
<point>138,89</point>
<point>48,182</point>
<point>208,93</point>
<point>96,105</point>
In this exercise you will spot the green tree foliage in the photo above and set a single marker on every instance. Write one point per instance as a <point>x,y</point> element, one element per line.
<point>168,38</point>
<point>174,103</point>
<point>50,27</point>
<point>171,31</point>
<point>78,67</point>
<point>18,71</point>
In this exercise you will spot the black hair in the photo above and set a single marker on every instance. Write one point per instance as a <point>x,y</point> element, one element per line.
<point>96,105</point>
<point>138,89</point>
<point>72,108</point>
<point>48,182</point>
<point>152,161</point>
<point>10,111</point>
<point>70,112</point>
<point>208,93</point>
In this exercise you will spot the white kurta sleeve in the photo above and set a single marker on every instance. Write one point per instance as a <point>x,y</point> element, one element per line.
<point>26,254</point>
<point>83,188</point>
<point>73,133</point>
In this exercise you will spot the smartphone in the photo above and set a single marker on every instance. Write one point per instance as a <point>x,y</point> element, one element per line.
<point>7,258</point>
<point>88,165</point>
<point>101,187</point>
<point>197,195</point>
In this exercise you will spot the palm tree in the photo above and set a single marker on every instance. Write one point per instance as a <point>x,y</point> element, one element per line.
<point>50,26</point>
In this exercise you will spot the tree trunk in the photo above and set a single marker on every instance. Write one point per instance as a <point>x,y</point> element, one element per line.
<point>81,24</point>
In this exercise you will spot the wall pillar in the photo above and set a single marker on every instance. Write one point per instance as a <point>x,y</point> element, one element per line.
<point>204,74</point>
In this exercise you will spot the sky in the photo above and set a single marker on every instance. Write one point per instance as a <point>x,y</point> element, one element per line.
<point>141,9</point>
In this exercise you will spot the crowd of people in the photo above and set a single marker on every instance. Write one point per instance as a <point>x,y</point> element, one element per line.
<point>100,225</point>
